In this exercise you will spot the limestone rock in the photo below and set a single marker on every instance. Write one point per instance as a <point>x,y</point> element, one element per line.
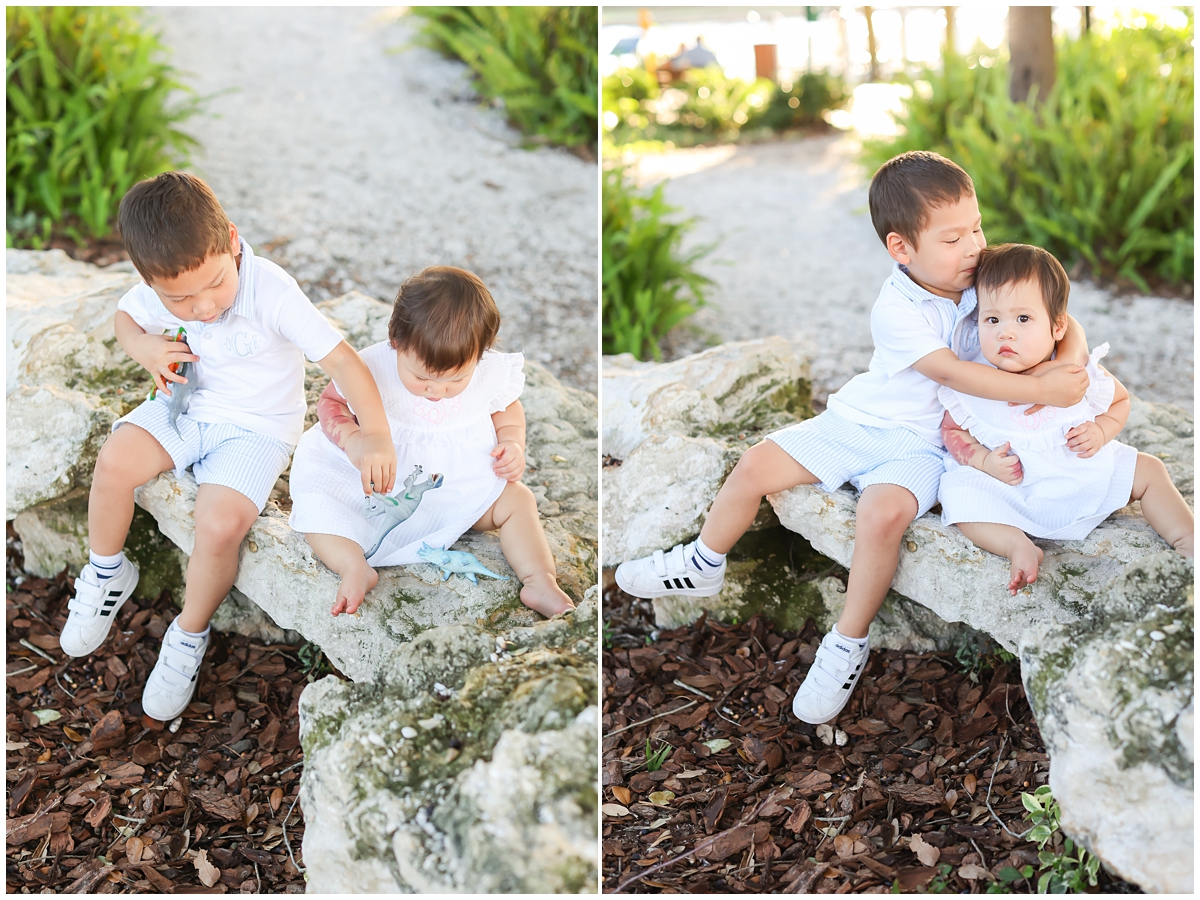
<point>362,320</point>
<point>468,766</point>
<point>1114,698</point>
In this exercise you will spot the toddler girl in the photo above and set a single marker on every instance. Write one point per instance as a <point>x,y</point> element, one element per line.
<point>1057,473</point>
<point>459,433</point>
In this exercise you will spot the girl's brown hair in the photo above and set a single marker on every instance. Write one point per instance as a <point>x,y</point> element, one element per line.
<point>445,317</point>
<point>1015,263</point>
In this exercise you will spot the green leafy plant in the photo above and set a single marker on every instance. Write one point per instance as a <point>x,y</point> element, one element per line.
<point>802,103</point>
<point>650,283</point>
<point>656,758</point>
<point>1100,174</point>
<point>313,662</point>
<point>977,652</point>
<point>1007,877</point>
<point>540,61</point>
<point>1064,868</point>
<point>87,116</point>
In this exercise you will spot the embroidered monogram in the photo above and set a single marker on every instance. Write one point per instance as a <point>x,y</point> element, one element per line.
<point>243,343</point>
<point>436,413</point>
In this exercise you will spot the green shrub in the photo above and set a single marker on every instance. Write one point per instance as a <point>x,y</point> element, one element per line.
<point>704,106</point>
<point>87,116</point>
<point>541,61</point>
<point>1101,174</point>
<point>649,284</point>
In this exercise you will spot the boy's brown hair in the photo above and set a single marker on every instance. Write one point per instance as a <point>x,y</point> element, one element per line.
<point>445,317</point>
<point>171,224</point>
<point>1015,263</point>
<point>907,186</point>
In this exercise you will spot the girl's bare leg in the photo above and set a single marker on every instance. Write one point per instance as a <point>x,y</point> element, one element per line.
<point>766,468</point>
<point>1162,504</point>
<point>884,513</point>
<point>526,548</point>
<point>346,558</point>
<point>1023,555</point>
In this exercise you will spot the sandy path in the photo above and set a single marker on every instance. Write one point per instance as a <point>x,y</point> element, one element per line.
<point>798,257</point>
<point>354,168</point>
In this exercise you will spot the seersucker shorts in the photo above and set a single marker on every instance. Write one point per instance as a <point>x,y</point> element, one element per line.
<point>218,452</point>
<point>837,450</point>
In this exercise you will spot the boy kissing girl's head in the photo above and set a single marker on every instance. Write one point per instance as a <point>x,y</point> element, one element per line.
<point>182,244</point>
<point>924,209</point>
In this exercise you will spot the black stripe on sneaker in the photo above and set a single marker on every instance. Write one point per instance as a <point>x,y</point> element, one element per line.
<point>688,582</point>
<point>114,593</point>
<point>105,612</point>
<point>667,583</point>
<point>110,602</point>
<point>678,584</point>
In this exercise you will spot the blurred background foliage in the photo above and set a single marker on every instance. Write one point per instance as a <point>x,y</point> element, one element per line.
<point>541,62</point>
<point>704,106</point>
<point>89,113</point>
<point>1101,174</point>
<point>650,283</point>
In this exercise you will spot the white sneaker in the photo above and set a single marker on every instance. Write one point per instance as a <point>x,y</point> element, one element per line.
<point>662,574</point>
<point>171,684</point>
<point>830,680</point>
<point>94,608</point>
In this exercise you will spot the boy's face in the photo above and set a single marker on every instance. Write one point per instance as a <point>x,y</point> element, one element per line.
<point>205,292</point>
<point>947,249</point>
<point>1015,330</point>
<point>418,380</point>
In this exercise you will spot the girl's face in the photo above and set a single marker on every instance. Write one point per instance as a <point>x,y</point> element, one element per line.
<point>419,381</point>
<point>1015,330</point>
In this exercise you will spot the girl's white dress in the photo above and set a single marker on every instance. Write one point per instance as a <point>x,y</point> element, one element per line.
<point>452,437</point>
<point>1062,496</point>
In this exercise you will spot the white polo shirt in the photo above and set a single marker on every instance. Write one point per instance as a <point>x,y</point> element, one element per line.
<point>251,368</point>
<point>907,324</point>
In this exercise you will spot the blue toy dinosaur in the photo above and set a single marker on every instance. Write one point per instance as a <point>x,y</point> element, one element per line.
<point>394,510</point>
<point>456,562</point>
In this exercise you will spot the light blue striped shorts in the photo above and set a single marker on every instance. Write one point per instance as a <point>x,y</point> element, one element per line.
<point>837,450</point>
<point>219,453</point>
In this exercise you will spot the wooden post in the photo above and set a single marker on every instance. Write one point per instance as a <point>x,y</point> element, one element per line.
<point>949,10</point>
<point>765,64</point>
<point>1031,51</point>
<point>873,75</point>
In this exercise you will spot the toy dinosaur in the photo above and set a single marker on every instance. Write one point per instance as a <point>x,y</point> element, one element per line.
<point>394,510</point>
<point>181,395</point>
<point>456,562</point>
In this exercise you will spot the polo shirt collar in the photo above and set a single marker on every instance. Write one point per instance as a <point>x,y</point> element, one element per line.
<point>912,291</point>
<point>243,303</point>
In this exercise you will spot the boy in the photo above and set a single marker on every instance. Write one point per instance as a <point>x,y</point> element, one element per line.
<point>881,431</point>
<point>243,325</point>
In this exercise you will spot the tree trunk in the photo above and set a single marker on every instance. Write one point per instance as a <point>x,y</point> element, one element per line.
<point>1031,50</point>
<point>874,70</point>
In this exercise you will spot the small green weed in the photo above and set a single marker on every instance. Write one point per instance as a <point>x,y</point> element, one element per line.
<point>313,661</point>
<point>656,758</point>
<point>607,635</point>
<point>978,653</point>
<point>1065,868</point>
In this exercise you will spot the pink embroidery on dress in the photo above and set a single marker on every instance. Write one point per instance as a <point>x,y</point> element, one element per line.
<point>1034,422</point>
<point>435,413</point>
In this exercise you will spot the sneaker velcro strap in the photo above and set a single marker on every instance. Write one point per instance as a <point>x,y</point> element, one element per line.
<point>179,661</point>
<point>81,605</point>
<point>675,561</point>
<point>659,564</point>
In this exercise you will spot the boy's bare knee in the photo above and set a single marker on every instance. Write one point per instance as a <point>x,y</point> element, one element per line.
<point>885,516</point>
<point>752,468</point>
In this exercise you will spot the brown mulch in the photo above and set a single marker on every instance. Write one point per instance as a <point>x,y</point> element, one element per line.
<point>784,807</point>
<point>103,799</point>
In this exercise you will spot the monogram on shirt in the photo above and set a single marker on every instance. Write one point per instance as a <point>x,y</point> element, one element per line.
<point>243,343</point>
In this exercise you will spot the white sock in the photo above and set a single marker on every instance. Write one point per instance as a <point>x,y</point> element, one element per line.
<point>191,634</point>
<point>860,642</point>
<point>702,558</point>
<point>107,566</point>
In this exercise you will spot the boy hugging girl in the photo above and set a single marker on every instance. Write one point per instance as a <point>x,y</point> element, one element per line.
<point>963,336</point>
<point>434,396</point>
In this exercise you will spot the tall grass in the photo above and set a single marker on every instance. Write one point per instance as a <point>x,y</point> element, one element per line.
<point>649,283</point>
<point>541,61</point>
<point>87,116</point>
<point>1101,174</point>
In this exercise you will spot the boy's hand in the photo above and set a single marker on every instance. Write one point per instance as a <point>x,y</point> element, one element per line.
<point>1064,386</point>
<point>510,460</point>
<point>156,353</point>
<point>1084,440</point>
<point>377,463</point>
<point>1003,466</point>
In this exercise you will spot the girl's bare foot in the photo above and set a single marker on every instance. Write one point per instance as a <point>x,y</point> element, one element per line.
<point>542,594</point>
<point>356,583</point>
<point>1024,561</point>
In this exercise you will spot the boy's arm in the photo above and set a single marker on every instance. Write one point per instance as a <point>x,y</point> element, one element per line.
<point>510,441</point>
<point>967,451</point>
<point>1063,386</point>
<point>377,461</point>
<point>153,352</point>
<point>1086,439</point>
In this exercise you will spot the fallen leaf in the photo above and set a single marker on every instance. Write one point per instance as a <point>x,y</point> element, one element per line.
<point>46,716</point>
<point>276,799</point>
<point>716,745</point>
<point>209,874</point>
<point>926,853</point>
<point>614,809</point>
<point>133,850</point>
<point>622,794</point>
<point>969,783</point>
<point>972,872</point>
<point>251,814</point>
<point>72,734</point>
<point>662,798</point>
<point>843,845</point>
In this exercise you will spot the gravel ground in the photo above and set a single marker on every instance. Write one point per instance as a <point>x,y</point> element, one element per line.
<point>798,257</point>
<point>354,168</point>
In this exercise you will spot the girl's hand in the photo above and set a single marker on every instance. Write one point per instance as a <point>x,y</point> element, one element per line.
<point>156,353</point>
<point>376,462</point>
<point>1086,439</point>
<point>1002,466</point>
<point>510,460</point>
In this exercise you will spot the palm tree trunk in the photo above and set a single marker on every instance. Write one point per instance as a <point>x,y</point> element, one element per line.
<point>1031,50</point>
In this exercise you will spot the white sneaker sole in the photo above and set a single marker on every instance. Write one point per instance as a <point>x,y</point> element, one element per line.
<point>679,588</point>
<point>91,647</point>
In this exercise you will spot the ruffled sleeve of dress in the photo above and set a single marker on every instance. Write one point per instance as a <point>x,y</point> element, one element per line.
<point>505,379</point>
<point>969,413</point>
<point>1102,387</point>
